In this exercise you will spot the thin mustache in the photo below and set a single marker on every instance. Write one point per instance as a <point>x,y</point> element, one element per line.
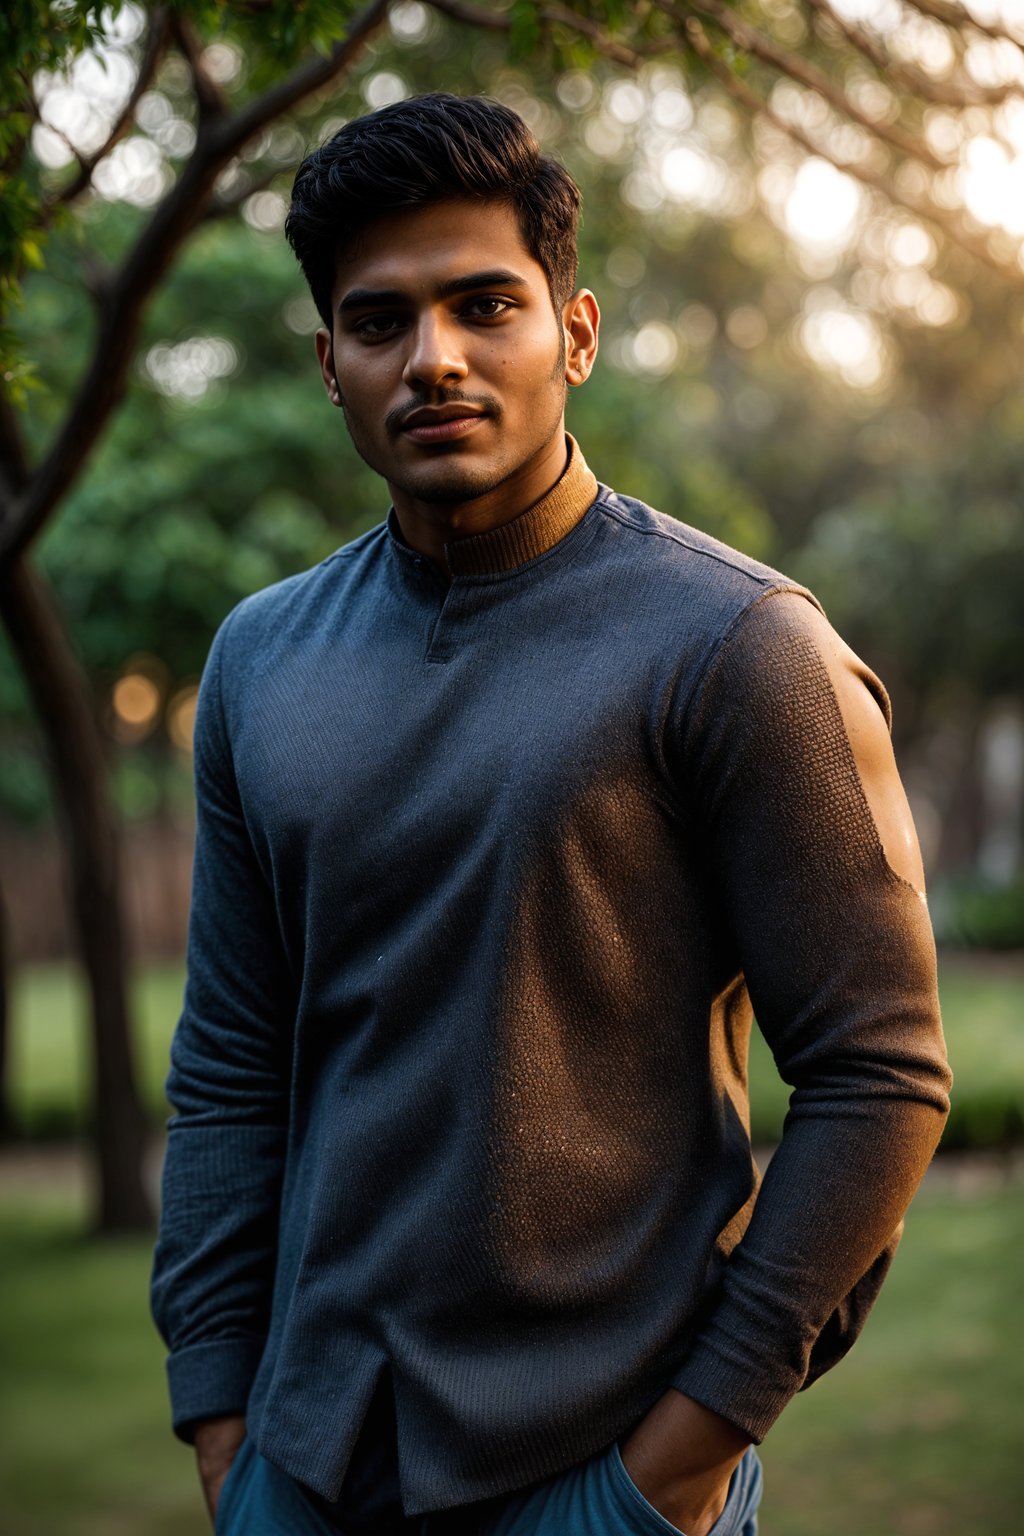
<point>395,420</point>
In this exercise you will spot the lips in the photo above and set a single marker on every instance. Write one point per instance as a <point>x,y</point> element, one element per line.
<point>442,423</point>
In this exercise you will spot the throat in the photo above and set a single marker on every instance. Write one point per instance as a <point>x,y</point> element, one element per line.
<point>516,539</point>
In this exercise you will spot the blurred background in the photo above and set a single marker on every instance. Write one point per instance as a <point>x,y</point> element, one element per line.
<point>804,222</point>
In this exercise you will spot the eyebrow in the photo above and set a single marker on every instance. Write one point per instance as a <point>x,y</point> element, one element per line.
<point>365,298</point>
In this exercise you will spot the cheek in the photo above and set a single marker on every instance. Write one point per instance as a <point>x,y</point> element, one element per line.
<point>361,389</point>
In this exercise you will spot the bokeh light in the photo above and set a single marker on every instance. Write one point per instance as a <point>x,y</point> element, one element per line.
<point>135,702</point>
<point>185,370</point>
<point>181,717</point>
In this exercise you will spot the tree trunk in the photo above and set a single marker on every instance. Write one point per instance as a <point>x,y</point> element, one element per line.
<point>6,1119</point>
<point>63,707</point>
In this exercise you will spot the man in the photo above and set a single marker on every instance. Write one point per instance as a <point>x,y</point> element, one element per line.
<point>510,813</point>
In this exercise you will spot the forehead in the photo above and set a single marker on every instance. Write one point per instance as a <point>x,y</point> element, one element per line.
<point>415,249</point>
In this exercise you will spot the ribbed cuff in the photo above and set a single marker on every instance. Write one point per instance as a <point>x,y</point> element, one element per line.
<point>751,1404</point>
<point>210,1379</point>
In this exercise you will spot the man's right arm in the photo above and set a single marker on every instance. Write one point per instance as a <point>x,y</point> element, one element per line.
<point>214,1261</point>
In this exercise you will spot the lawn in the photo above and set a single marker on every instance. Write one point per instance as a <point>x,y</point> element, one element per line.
<point>50,1060</point>
<point>982,1002</point>
<point>916,1433</point>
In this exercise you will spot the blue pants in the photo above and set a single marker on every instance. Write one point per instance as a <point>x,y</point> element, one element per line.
<point>595,1498</point>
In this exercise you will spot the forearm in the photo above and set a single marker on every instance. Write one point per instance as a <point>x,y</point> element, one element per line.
<point>213,1266</point>
<point>815,1253</point>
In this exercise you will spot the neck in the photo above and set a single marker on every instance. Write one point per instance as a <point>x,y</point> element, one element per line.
<point>429,526</point>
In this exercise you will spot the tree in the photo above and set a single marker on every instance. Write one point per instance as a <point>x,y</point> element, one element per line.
<point>894,101</point>
<point>41,35</point>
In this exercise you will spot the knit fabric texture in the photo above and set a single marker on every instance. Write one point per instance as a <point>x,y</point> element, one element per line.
<point>491,875</point>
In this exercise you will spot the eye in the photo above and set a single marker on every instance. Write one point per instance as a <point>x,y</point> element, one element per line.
<point>497,307</point>
<point>376,326</point>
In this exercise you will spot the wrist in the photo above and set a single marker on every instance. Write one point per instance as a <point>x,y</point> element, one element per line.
<point>681,1456</point>
<point>216,1440</point>
<point>687,1435</point>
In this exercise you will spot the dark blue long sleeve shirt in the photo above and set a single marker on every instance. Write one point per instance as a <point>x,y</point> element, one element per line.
<point>490,876</point>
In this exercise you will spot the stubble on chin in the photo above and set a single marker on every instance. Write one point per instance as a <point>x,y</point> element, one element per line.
<point>457,483</point>
<point>435,483</point>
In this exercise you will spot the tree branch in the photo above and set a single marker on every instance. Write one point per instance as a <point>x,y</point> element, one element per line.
<point>921,207</point>
<point>14,470</point>
<point>957,18</point>
<point>471,15</point>
<point>601,41</point>
<point>228,136</point>
<point>808,74</point>
<point>172,221</point>
<point>157,39</point>
<point>944,93</point>
<point>211,102</point>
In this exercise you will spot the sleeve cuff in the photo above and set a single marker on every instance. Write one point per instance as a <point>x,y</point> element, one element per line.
<point>751,1404</point>
<point>210,1379</point>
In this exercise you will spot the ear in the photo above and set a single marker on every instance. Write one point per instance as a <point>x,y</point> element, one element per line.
<point>581,318</point>
<point>325,356</point>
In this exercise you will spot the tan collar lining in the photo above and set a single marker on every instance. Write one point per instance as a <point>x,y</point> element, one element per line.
<point>532,532</point>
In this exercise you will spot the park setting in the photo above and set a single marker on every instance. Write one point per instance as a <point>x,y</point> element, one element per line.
<point>803,221</point>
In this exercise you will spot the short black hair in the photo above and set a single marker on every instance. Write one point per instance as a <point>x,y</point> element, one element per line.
<point>423,150</point>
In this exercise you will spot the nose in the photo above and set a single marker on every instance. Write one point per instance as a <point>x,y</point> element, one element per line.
<point>435,355</point>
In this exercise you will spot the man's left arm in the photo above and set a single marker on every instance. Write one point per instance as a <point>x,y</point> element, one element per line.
<point>786,757</point>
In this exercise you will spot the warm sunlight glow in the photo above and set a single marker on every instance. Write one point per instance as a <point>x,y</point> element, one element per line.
<point>842,340</point>
<point>136,699</point>
<point>993,183</point>
<point>823,205</point>
<point>181,717</point>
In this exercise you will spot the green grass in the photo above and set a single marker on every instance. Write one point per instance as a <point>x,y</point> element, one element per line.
<point>915,1433</point>
<point>50,1063</point>
<point>86,1448</point>
<point>983,1009</point>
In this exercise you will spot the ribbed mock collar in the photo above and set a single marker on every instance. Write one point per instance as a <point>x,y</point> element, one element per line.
<point>525,537</point>
<point>529,534</point>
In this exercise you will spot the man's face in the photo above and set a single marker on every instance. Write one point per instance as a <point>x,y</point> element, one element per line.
<point>449,360</point>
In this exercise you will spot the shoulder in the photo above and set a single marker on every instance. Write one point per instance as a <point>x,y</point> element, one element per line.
<point>705,591</point>
<point>783,643</point>
<point>759,631</point>
<point>283,611</point>
<point>690,561</point>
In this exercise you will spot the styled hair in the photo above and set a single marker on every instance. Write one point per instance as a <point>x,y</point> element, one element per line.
<point>426,150</point>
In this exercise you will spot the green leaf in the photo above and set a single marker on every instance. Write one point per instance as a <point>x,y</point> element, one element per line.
<point>32,255</point>
<point>524,28</point>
